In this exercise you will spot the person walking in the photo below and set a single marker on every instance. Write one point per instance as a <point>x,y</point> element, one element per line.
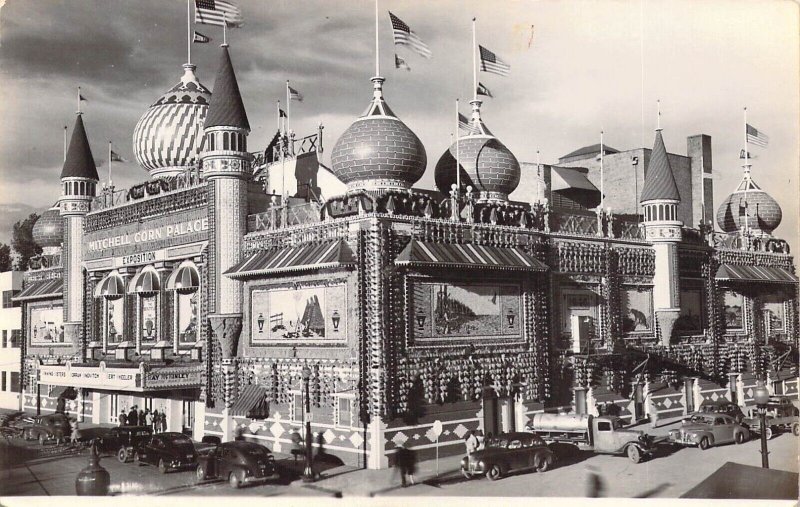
<point>471,442</point>
<point>148,417</point>
<point>156,420</point>
<point>133,417</point>
<point>76,431</point>
<point>406,462</point>
<point>142,420</point>
<point>122,418</point>
<point>163,426</point>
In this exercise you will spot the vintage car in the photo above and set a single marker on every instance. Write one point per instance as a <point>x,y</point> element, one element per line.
<point>169,451</point>
<point>48,427</point>
<point>782,415</point>
<point>725,407</point>
<point>705,430</point>
<point>122,441</point>
<point>506,453</point>
<point>239,463</point>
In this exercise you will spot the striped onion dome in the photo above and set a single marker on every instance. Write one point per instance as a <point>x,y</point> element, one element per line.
<point>749,207</point>
<point>167,138</point>
<point>378,151</point>
<point>485,163</point>
<point>48,231</point>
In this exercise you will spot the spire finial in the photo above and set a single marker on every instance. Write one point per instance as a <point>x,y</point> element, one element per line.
<point>474,62</point>
<point>377,44</point>
<point>658,114</point>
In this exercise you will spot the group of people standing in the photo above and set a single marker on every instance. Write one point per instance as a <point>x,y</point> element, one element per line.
<point>136,417</point>
<point>474,441</point>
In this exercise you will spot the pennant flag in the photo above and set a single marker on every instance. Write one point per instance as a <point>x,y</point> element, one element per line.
<point>200,38</point>
<point>482,90</point>
<point>399,63</point>
<point>465,124</point>
<point>404,36</point>
<point>116,157</point>
<point>490,62</point>
<point>756,137</point>
<point>295,95</point>
<point>218,12</point>
<point>282,113</point>
<point>530,41</point>
<point>742,154</point>
<point>82,98</point>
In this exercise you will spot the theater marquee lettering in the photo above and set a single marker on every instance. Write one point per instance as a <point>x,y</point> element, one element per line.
<point>160,379</point>
<point>153,234</point>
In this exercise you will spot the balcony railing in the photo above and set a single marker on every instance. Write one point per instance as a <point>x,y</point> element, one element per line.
<point>110,198</point>
<point>284,216</point>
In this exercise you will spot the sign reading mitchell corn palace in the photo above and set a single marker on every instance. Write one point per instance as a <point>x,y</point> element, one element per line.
<point>197,294</point>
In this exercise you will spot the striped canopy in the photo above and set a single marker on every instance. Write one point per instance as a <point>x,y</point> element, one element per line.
<point>252,402</point>
<point>304,257</point>
<point>185,279</point>
<point>424,253</point>
<point>111,287</point>
<point>146,283</point>
<point>734,273</point>
<point>43,289</point>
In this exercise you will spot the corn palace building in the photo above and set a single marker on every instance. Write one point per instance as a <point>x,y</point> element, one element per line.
<point>205,295</point>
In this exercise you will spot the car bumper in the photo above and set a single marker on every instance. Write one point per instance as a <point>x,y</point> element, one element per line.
<point>266,478</point>
<point>472,470</point>
<point>684,441</point>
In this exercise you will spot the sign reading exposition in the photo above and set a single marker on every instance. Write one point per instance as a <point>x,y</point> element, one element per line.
<point>142,240</point>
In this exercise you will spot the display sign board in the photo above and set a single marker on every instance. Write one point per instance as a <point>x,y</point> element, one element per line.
<point>172,377</point>
<point>120,379</point>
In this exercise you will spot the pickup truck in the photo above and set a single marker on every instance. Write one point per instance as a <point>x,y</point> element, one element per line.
<point>782,415</point>
<point>602,434</point>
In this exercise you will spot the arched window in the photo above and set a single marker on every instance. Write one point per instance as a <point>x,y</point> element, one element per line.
<point>185,282</point>
<point>234,142</point>
<point>243,143</point>
<point>147,285</point>
<point>226,141</point>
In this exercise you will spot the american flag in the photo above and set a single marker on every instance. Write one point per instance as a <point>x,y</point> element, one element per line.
<point>218,12</point>
<point>404,36</point>
<point>399,63</point>
<point>482,90</point>
<point>294,94</point>
<point>116,157</point>
<point>490,62</point>
<point>756,137</point>
<point>465,124</point>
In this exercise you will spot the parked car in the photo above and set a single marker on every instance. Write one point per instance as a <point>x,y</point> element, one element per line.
<point>725,407</point>
<point>782,415</point>
<point>48,427</point>
<point>122,441</point>
<point>705,430</point>
<point>506,453</point>
<point>239,463</point>
<point>168,451</point>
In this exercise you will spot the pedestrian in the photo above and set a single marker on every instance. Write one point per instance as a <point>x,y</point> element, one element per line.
<point>594,486</point>
<point>123,419</point>
<point>471,442</point>
<point>133,417</point>
<point>163,422</point>
<point>481,440</point>
<point>142,420</point>
<point>406,462</point>
<point>76,431</point>
<point>298,449</point>
<point>148,417</point>
<point>156,420</point>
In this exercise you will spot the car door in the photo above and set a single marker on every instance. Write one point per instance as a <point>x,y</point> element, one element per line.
<point>224,463</point>
<point>723,431</point>
<point>152,449</point>
<point>107,443</point>
<point>515,455</point>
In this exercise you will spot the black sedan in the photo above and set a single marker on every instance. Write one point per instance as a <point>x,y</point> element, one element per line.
<point>48,427</point>
<point>123,440</point>
<point>169,451</point>
<point>239,463</point>
<point>506,453</point>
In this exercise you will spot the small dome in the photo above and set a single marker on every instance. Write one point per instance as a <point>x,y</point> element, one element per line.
<point>762,212</point>
<point>168,136</point>
<point>49,229</point>
<point>486,163</point>
<point>378,150</point>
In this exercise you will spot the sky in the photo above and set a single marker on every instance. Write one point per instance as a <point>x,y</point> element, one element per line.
<point>589,66</point>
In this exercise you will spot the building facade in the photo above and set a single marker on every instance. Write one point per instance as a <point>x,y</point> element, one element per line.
<point>395,311</point>
<point>10,348</point>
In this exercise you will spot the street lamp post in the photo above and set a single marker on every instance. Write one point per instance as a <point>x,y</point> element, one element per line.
<point>308,472</point>
<point>761,397</point>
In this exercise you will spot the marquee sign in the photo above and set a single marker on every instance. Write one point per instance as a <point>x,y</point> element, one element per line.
<point>173,377</point>
<point>166,231</point>
<point>120,379</point>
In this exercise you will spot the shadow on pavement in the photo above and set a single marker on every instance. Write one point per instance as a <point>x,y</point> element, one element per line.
<point>654,491</point>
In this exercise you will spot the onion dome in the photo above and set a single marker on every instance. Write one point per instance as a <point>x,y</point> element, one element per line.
<point>79,162</point>
<point>227,109</point>
<point>659,181</point>
<point>168,136</point>
<point>378,151</point>
<point>48,231</point>
<point>485,163</point>
<point>751,208</point>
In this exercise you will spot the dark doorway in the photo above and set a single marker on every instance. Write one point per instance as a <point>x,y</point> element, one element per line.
<point>491,414</point>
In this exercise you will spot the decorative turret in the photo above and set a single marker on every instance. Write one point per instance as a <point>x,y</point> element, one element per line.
<point>48,231</point>
<point>378,151</point>
<point>749,208</point>
<point>660,197</point>
<point>486,164</point>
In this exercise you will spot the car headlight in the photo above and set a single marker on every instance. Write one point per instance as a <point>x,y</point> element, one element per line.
<point>695,437</point>
<point>481,465</point>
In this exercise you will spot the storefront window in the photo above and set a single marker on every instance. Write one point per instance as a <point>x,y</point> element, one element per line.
<point>148,319</point>
<point>46,324</point>
<point>775,311</point>
<point>691,319</point>
<point>582,303</point>
<point>186,305</point>
<point>637,310</point>
<point>734,311</point>
<point>114,316</point>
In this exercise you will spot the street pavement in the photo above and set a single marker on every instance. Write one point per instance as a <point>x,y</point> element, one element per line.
<point>667,475</point>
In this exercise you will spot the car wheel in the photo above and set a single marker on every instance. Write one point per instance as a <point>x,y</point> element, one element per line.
<point>704,444</point>
<point>235,480</point>
<point>770,433</point>
<point>634,454</point>
<point>796,429</point>
<point>201,473</point>
<point>162,466</point>
<point>494,473</point>
<point>122,455</point>
<point>739,438</point>
<point>543,465</point>
<point>467,475</point>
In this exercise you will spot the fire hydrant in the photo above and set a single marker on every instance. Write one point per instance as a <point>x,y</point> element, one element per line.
<point>94,479</point>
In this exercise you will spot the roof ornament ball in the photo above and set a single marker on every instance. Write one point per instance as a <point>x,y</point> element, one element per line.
<point>48,231</point>
<point>749,209</point>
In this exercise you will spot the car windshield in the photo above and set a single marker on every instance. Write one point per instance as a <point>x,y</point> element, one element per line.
<point>141,433</point>
<point>701,419</point>
<point>256,451</point>
<point>498,442</point>
<point>180,439</point>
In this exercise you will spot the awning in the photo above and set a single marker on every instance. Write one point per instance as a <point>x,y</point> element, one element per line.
<point>328,254</point>
<point>110,287</point>
<point>43,289</point>
<point>145,283</point>
<point>565,178</point>
<point>423,253</point>
<point>733,273</point>
<point>66,392</point>
<point>185,279</point>
<point>252,402</point>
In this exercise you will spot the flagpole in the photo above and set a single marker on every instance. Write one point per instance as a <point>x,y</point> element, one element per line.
<point>458,158</point>
<point>658,117</point>
<point>474,62</point>
<point>224,30</point>
<point>79,101</point>
<point>746,176</point>
<point>189,32</point>
<point>65,143</point>
<point>288,105</point>
<point>538,177</point>
<point>602,190</point>
<point>377,44</point>
<point>109,164</point>
<point>278,106</point>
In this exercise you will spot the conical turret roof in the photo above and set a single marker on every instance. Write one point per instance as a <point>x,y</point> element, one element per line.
<point>659,182</point>
<point>79,162</point>
<point>226,109</point>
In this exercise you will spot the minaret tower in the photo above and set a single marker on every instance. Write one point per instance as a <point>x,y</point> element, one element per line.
<point>78,185</point>
<point>659,200</point>
<point>226,165</point>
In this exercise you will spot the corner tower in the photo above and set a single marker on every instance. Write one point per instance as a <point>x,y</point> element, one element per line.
<point>660,199</point>
<point>78,187</point>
